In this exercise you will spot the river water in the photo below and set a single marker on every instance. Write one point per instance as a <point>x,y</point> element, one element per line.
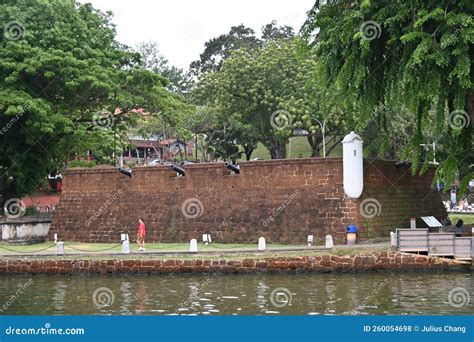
<point>314,294</point>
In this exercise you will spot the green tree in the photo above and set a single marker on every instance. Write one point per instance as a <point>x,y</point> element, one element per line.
<point>62,76</point>
<point>242,134</point>
<point>230,134</point>
<point>408,56</point>
<point>273,90</point>
<point>203,122</point>
<point>272,31</point>
<point>180,81</point>
<point>218,49</point>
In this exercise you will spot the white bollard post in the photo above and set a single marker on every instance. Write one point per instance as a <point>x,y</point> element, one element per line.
<point>393,239</point>
<point>193,246</point>
<point>329,242</point>
<point>205,239</point>
<point>261,244</point>
<point>55,238</point>
<point>310,240</point>
<point>126,247</point>
<point>60,248</point>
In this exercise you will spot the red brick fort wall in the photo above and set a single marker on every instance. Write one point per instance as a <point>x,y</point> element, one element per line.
<point>283,200</point>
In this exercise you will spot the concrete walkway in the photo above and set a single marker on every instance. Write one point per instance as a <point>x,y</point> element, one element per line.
<point>49,249</point>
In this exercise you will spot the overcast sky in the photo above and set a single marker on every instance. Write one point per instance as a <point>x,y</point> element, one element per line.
<point>181,27</point>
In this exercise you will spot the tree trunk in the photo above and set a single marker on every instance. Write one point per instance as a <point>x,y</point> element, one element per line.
<point>277,151</point>
<point>248,152</point>
<point>204,149</point>
<point>315,141</point>
<point>196,147</point>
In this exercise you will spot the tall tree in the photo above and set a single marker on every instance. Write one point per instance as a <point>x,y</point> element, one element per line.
<point>413,56</point>
<point>179,81</point>
<point>62,76</point>
<point>271,89</point>
<point>218,49</point>
<point>272,31</point>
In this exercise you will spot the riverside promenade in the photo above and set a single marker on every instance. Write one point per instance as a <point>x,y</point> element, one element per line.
<point>90,259</point>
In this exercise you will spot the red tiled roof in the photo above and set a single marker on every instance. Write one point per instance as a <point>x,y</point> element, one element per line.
<point>170,141</point>
<point>144,143</point>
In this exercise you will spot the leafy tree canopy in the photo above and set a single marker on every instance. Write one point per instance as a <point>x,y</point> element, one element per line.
<point>62,76</point>
<point>271,89</point>
<point>179,80</point>
<point>239,37</point>
<point>410,57</point>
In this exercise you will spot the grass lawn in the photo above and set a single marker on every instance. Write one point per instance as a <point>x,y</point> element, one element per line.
<point>299,145</point>
<point>77,247</point>
<point>102,251</point>
<point>467,218</point>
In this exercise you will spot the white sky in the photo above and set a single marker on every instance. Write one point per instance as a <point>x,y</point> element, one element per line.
<point>181,27</point>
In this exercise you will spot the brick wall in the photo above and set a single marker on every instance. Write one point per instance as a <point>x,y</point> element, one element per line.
<point>283,200</point>
<point>324,263</point>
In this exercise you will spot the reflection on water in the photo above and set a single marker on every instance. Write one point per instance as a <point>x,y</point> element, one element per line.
<point>316,294</point>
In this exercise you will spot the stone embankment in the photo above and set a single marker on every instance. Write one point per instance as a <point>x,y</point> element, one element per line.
<point>374,261</point>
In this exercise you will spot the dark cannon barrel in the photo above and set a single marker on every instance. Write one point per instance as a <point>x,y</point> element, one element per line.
<point>230,166</point>
<point>126,172</point>
<point>178,169</point>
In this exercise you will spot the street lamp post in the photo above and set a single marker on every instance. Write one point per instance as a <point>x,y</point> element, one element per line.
<point>323,130</point>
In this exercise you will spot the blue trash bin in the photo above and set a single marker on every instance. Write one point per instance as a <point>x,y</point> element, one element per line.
<point>351,234</point>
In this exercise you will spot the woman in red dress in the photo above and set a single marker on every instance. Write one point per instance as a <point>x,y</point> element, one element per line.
<point>141,235</point>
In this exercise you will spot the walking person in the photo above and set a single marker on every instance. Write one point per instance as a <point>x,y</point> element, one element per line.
<point>141,235</point>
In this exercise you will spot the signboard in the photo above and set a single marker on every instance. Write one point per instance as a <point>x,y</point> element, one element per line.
<point>431,221</point>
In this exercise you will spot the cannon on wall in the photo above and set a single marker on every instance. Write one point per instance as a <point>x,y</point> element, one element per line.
<point>126,172</point>
<point>178,169</point>
<point>232,167</point>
